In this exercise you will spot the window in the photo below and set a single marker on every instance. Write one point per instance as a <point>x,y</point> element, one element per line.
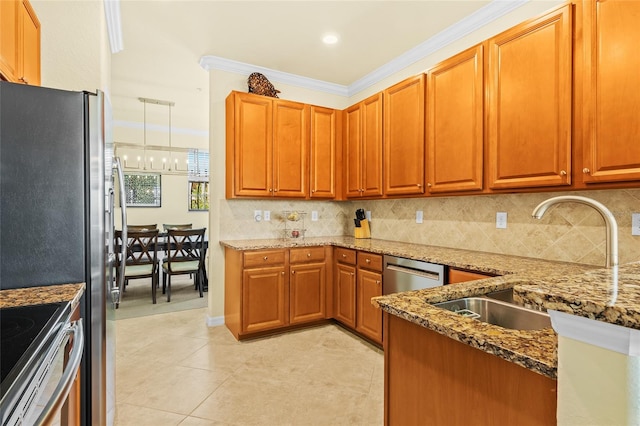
<point>198,163</point>
<point>198,195</point>
<point>142,190</point>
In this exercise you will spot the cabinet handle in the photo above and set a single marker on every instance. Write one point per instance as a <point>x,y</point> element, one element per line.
<point>308,254</point>
<point>368,260</point>
<point>265,258</point>
<point>563,173</point>
<point>586,170</point>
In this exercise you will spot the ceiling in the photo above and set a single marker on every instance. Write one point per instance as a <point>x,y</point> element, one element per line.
<point>164,41</point>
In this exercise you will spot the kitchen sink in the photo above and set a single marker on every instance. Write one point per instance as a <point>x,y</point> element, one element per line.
<point>497,312</point>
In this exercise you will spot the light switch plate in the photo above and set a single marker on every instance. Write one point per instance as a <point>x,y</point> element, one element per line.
<point>419,216</point>
<point>501,220</point>
<point>635,223</point>
<point>267,215</point>
<point>314,215</point>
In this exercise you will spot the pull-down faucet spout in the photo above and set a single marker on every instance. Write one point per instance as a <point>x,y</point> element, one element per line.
<point>609,221</point>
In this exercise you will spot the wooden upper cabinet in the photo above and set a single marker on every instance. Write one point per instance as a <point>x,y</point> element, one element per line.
<point>19,42</point>
<point>455,123</point>
<point>267,147</point>
<point>404,143</point>
<point>324,133</point>
<point>612,98</point>
<point>290,148</point>
<point>529,103</point>
<point>363,148</point>
<point>9,39</point>
<point>29,54</point>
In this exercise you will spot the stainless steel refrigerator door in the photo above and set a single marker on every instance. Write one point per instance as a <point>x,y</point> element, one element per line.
<point>102,340</point>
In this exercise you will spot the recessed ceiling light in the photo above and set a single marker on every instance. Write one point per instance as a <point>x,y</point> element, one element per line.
<point>330,39</point>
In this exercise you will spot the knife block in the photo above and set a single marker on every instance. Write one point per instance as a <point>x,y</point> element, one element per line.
<point>363,231</point>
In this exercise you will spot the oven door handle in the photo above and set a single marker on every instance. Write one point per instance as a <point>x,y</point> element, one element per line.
<point>68,376</point>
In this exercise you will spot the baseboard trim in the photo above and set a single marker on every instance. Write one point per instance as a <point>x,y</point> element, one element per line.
<point>215,321</point>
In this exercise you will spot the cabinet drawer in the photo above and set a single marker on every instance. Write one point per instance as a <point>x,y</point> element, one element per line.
<point>263,257</point>
<point>346,256</point>
<point>306,254</point>
<point>370,261</point>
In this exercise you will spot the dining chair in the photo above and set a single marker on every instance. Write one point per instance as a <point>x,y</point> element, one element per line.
<point>142,227</point>
<point>166,227</point>
<point>185,255</point>
<point>141,259</point>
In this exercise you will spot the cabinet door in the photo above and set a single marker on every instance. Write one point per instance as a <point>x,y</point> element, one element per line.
<point>529,111</point>
<point>352,151</point>
<point>323,152</point>
<point>369,317</point>
<point>612,146</point>
<point>290,148</point>
<point>9,39</point>
<point>404,144</point>
<point>455,124</point>
<point>307,292</point>
<point>252,145</point>
<point>29,51</point>
<point>372,146</point>
<point>345,294</point>
<point>265,299</point>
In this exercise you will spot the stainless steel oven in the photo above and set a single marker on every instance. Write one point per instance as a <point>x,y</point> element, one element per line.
<point>38,370</point>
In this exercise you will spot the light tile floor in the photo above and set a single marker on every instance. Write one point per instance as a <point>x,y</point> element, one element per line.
<point>171,369</point>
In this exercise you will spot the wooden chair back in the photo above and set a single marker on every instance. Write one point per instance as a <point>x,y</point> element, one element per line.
<point>142,246</point>
<point>166,227</point>
<point>185,245</point>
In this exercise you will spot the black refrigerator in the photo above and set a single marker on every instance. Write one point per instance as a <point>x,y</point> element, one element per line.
<point>56,216</point>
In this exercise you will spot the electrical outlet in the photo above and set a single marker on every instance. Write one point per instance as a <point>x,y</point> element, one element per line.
<point>419,216</point>
<point>635,223</point>
<point>367,214</point>
<point>257,215</point>
<point>266,215</point>
<point>314,215</point>
<point>501,220</point>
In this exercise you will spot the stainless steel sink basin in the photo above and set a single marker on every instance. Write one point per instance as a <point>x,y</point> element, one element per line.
<point>498,313</point>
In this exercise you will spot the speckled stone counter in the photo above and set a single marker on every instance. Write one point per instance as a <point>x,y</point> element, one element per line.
<point>606,295</point>
<point>41,295</point>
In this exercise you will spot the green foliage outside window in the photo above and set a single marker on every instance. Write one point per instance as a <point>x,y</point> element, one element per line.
<point>199,195</point>
<point>142,190</point>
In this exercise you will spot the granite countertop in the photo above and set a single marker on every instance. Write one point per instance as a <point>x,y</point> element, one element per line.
<point>573,288</point>
<point>40,295</point>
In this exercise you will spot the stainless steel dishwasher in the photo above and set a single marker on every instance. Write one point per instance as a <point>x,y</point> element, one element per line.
<point>401,274</point>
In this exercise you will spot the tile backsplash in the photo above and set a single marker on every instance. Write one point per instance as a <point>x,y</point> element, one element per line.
<point>568,232</point>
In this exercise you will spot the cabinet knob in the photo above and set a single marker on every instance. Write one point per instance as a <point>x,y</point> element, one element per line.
<point>419,185</point>
<point>344,255</point>
<point>293,272</point>
<point>313,190</point>
<point>586,170</point>
<point>378,282</point>
<point>270,190</point>
<point>308,254</point>
<point>563,173</point>
<point>368,260</point>
<point>429,185</point>
<point>351,274</point>
<point>265,258</point>
<point>282,272</point>
<point>275,190</point>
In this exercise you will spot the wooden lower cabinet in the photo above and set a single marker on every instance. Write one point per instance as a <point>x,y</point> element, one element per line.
<point>264,299</point>
<point>460,276</point>
<point>431,379</point>
<point>345,288</point>
<point>267,290</point>
<point>369,320</point>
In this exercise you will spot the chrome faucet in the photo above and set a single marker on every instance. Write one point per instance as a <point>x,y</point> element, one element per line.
<point>609,221</point>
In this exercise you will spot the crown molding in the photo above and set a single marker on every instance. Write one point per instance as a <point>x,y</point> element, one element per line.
<point>114,25</point>
<point>467,25</point>
<point>464,27</point>
<point>216,62</point>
